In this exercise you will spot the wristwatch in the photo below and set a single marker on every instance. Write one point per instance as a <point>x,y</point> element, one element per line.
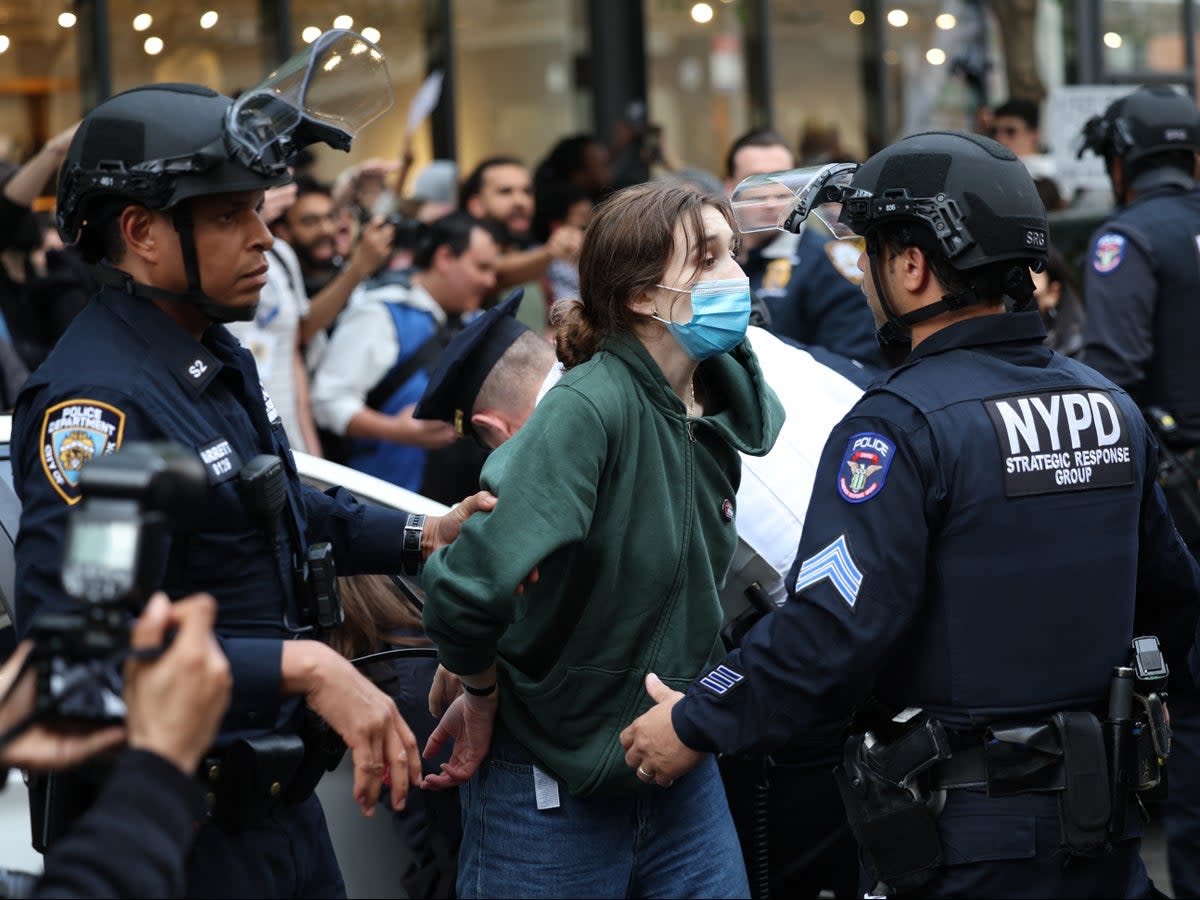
<point>411,559</point>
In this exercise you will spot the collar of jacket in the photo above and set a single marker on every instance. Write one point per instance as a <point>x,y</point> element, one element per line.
<point>751,415</point>
<point>999,328</point>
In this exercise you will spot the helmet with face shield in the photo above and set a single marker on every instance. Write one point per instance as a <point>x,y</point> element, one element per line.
<point>160,145</point>
<point>963,199</point>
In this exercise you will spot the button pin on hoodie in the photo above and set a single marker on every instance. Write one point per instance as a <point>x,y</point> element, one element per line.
<point>727,510</point>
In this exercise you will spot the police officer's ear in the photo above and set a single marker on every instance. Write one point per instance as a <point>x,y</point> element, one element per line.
<point>492,428</point>
<point>911,267</point>
<point>144,232</point>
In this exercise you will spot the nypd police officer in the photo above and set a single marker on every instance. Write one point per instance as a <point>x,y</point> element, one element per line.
<point>164,183</point>
<point>1140,285</point>
<point>982,523</point>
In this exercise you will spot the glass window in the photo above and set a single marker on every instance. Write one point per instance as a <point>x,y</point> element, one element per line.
<point>39,76</point>
<point>398,27</point>
<point>1142,36</point>
<point>818,63</point>
<point>696,73</point>
<point>515,77</point>
<point>215,43</point>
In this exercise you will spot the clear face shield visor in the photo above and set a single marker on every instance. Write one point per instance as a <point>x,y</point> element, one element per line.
<point>328,92</point>
<point>782,201</point>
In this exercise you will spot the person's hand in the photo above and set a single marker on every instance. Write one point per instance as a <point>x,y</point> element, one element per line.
<point>276,201</point>
<point>442,530</point>
<point>445,690</point>
<point>58,145</point>
<point>41,746</point>
<point>651,746</point>
<point>373,248</point>
<point>379,739</point>
<point>564,242</point>
<point>469,722</point>
<point>174,703</point>
<point>428,434</point>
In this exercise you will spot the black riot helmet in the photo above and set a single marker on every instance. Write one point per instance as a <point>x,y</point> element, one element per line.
<point>966,198</point>
<point>1152,121</point>
<point>161,145</point>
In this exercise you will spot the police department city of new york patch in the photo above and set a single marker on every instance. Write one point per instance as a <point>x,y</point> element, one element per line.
<point>1110,250</point>
<point>73,432</point>
<point>865,466</point>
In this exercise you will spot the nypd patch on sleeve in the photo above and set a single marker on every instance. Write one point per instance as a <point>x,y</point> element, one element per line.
<point>1055,441</point>
<point>73,432</point>
<point>865,466</point>
<point>1108,253</point>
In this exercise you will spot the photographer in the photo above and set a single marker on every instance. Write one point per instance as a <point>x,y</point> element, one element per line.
<point>135,840</point>
<point>378,361</point>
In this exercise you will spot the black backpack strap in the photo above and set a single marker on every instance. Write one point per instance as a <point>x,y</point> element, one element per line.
<point>422,358</point>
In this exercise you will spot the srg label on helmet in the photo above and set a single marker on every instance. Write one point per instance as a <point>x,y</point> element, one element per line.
<point>1056,441</point>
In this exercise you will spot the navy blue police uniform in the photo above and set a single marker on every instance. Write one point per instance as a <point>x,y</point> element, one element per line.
<point>125,371</point>
<point>981,525</point>
<point>1140,284</point>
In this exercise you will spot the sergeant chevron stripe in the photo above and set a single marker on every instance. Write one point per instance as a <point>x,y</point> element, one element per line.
<point>836,564</point>
<point>721,679</point>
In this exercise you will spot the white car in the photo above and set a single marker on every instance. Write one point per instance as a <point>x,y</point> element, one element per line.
<point>371,855</point>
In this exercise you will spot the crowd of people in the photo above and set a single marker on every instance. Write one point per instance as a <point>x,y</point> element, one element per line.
<point>750,590</point>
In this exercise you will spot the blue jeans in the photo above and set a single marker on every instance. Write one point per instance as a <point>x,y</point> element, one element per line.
<point>654,842</point>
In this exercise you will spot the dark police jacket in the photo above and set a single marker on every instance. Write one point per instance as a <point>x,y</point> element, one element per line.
<point>125,371</point>
<point>1140,289</point>
<point>981,524</point>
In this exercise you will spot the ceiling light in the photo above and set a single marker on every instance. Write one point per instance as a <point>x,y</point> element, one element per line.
<point>310,34</point>
<point>371,34</point>
<point>153,45</point>
<point>945,21</point>
<point>343,21</point>
<point>66,20</point>
<point>142,21</point>
<point>897,18</point>
<point>701,13</point>
<point>1112,40</point>
<point>935,56</point>
<point>209,19</point>
<point>857,17</point>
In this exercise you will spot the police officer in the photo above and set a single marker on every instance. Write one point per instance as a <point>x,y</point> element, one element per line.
<point>1140,285</point>
<point>982,523</point>
<point>163,183</point>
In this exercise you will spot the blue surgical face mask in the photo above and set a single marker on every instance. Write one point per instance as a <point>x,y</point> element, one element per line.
<point>720,314</point>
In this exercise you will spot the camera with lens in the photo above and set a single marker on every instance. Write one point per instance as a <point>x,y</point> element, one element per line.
<point>113,558</point>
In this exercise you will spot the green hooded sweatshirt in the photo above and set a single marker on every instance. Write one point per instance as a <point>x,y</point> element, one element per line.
<point>625,505</point>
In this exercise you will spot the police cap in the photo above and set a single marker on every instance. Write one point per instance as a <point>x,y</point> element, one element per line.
<point>465,363</point>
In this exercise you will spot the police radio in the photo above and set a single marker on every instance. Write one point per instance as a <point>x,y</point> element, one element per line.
<point>113,557</point>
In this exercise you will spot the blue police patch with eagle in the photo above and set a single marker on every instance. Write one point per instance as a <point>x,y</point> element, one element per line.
<point>864,467</point>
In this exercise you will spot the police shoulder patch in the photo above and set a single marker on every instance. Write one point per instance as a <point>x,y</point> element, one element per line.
<point>73,432</point>
<point>844,254</point>
<point>865,466</point>
<point>1108,253</point>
